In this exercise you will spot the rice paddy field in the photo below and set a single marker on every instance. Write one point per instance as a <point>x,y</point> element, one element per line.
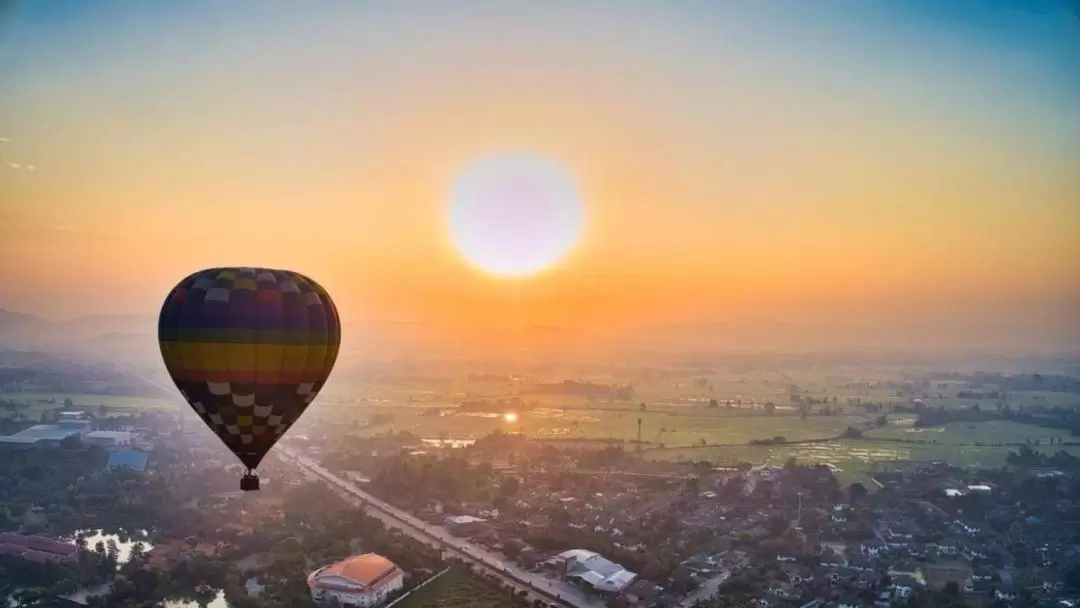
<point>687,428</point>
<point>984,444</point>
<point>676,417</point>
<point>848,452</point>
<point>457,589</point>
<point>690,389</point>
<point>994,432</point>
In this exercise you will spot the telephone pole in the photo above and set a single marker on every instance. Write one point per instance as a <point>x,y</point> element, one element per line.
<point>639,436</point>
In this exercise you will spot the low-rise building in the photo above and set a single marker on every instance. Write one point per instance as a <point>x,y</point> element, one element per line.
<point>359,581</point>
<point>590,568</point>
<point>110,440</point>
<point>48,434</point>
<point>38,548</point>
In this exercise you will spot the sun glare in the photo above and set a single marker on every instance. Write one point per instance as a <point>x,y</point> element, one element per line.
<point>513,215</point>
<point>510,417</point>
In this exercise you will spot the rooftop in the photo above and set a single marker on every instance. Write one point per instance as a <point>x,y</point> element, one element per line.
<point>48,432</point>
<point>599,572</point>
<point>114,435</point>
<point>17,439</point>
<point>367,570</point>
<point>463,519</point>
<point>36,548</point>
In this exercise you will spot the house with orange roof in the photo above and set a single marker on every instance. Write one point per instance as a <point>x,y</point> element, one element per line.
<point>361,580</point>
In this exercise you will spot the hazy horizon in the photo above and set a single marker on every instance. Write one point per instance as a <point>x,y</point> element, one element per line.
<point>873,175</point>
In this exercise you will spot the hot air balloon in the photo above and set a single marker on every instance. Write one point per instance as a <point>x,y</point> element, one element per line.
<point>249,348</point>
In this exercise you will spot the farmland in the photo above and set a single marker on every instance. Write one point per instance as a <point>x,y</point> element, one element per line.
<point>686,428</point>
<point>457,589</point>
<point>673,404</point>
<point>848,453</point>
<point>983,444</point>
<point>33,404</point>
<point>992,432</point>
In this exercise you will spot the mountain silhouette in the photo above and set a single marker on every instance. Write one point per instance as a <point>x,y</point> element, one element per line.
<point>22,331</point>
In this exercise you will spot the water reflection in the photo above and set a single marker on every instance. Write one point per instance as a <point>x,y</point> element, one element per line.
<point>123,547</point>
<point>217,602</point>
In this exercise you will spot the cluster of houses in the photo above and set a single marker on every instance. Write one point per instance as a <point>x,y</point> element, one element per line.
<point>911,538</point>
<point>989,547</point>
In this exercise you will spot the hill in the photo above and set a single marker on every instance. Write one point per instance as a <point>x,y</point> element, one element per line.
<point>27,331</point>
<point>18,328</point>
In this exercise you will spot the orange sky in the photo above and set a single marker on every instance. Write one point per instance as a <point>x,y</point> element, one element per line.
<point>724,176</point>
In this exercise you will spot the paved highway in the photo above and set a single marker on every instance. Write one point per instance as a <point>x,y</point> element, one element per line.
<point>423,531</point>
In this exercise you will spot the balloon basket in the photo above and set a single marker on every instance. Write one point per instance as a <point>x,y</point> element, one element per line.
<point>249,482</point>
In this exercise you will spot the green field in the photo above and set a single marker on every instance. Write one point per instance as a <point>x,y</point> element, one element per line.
<point>852,459</point>
<point>675,418</point>
<point>994,432</point>
<point>457,589</point>
<point>40,402</point>
<point>688,428</point>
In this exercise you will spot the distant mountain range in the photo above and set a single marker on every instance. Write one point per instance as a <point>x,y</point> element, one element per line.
<point>134,336</point>
<point>21,330</point>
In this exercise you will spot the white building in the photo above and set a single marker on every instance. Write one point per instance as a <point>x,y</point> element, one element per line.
<point>461,520</point>
<point>356,582</point>
<point>108,439</point>
<point>599,573</point>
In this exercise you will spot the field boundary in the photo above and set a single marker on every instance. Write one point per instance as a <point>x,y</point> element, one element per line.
<point>418,587</point>
<point>700,446</point>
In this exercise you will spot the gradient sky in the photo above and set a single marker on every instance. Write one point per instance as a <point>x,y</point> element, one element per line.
<point>906,167</point>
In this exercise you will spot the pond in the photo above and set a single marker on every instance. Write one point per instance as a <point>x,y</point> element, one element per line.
<point>123,548</point>
<point>218,601</point>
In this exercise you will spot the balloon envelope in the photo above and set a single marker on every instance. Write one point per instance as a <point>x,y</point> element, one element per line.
<point>249,348</point>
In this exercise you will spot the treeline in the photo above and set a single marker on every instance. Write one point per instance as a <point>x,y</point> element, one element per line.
<point>585,389</point>
<point>1025,456</point>
<point>1055,417</point>
<point>1017,382</point>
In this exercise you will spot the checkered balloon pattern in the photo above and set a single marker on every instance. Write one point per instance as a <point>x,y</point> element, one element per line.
<point>249,348</point>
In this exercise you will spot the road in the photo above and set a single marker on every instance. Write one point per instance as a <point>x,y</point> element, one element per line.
<point>567,594</point>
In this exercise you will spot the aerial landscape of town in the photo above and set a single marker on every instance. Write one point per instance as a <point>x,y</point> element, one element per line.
<point>737,482</point>
<point>517,304</point>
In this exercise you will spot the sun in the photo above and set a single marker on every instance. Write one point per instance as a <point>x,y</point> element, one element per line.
<point>513,214</point>
<point>510,417</point>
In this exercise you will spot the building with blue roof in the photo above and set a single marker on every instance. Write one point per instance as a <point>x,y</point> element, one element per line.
<point>132,459</point>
